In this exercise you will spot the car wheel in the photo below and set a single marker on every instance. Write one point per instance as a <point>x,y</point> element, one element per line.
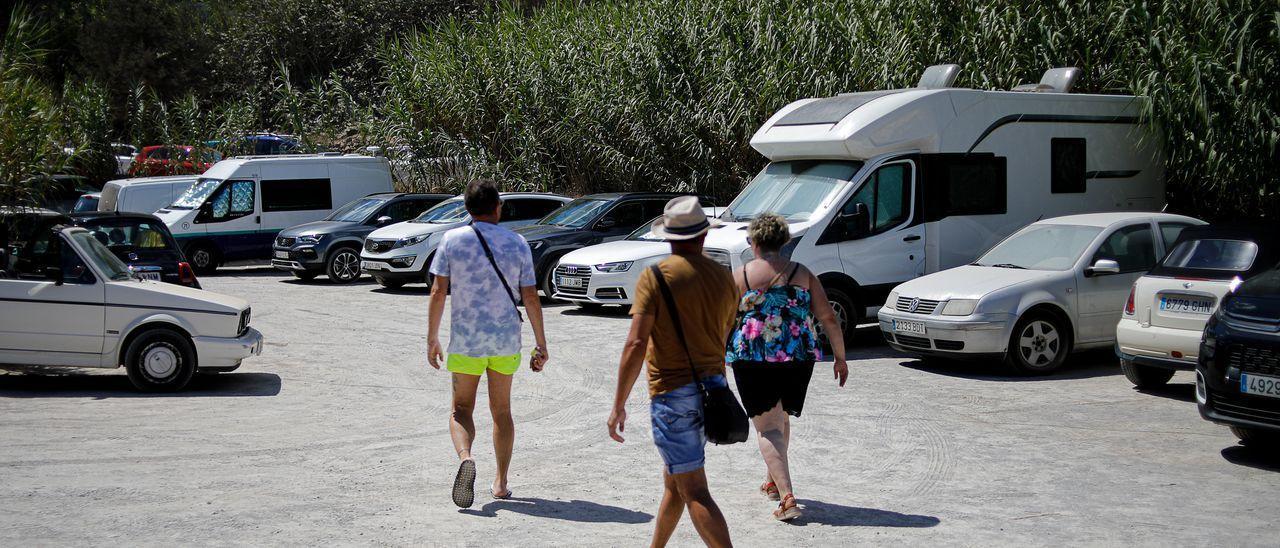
<point>545,284</point>
<point>1145,376</point>
<point>160,360</point>
<point>389,284</point>
<point>1254,437</point>
<point>1038,345</point>
<point>846,315</point>
<point>343,266</point>
<point>203,258</point>
<point>305,275</point>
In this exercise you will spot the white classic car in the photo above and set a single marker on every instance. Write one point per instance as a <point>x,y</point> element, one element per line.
<point>66,300</point>
<point>1055,286</point>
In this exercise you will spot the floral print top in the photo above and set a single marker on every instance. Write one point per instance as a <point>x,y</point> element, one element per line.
<point>774,325</point>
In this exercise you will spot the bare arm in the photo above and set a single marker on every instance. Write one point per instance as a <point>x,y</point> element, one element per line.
<point>629,370</point>
<point>827,316</point>
<point>435,312</point>
<point>533,306</point>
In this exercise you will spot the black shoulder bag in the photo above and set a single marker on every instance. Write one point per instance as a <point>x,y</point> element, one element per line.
<point>723,418</point>
<point>515,303</point>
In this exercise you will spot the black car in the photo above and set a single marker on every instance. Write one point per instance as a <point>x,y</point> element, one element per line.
<point>589,220</point>
<point>143,242</point>
<point>18,227</point>
<point>1238,375</point>
<point>332,246</point>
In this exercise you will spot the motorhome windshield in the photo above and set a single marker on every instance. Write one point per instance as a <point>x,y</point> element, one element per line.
<point>357,211</point>
<point>1041,247</point>
<point>793,189</point>
<point>446,212</point>
<point>197,194</point>
<point>575,214</point>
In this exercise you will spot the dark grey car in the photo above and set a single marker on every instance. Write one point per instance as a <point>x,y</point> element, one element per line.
<point>332,246</point>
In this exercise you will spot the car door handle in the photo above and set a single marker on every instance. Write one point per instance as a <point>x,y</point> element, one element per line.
<point>911,238</point>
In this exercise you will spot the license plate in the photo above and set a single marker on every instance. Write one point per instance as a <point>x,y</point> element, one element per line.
<point>281,255</point>
<point>902,326</point>
<point>1186,303</point>
<point>149,275</point>
<point>1259,385</point>
<point>568,282</point>
<point>370,265</point>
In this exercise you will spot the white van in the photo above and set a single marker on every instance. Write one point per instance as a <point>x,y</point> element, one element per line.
<point>236,207</point>
<point>143,194</point>
<point>882,187</point>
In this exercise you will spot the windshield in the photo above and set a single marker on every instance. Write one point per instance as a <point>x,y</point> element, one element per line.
<point>1232,255</point>
<point>197,194</point>
<point>575,214</point>
<point>357,211</point>
<point>1041,247</point>
<point>100,256</point>
<point>452,211</point>
<point>792,189</point>
<point>645,233</point>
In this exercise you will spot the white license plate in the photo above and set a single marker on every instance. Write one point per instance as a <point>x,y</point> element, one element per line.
<point>370,265</point>
<point>914,328</point>
<point>1259,385</point>
<point>1186,303</point>
<point>281,255</point>
<point>149,275</point>
<point>568,282</point>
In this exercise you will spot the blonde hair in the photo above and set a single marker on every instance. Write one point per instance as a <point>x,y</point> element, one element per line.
<point>769,231</point>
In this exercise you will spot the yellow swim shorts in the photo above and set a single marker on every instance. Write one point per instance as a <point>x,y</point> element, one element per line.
<point>469,365</point>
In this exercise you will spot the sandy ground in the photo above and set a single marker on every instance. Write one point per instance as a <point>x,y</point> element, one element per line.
<point>337,434</point>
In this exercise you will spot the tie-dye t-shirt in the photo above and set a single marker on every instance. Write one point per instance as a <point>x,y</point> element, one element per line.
<point>482,322</point>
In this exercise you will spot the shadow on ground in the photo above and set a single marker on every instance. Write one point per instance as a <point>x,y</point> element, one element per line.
<point>1182,392</point>
<point>57,383</point>
<point>1262,458</point>
<point>837,515</point>
<point>1083,365</point>
<point>422,290</point>
<point>569,510</point>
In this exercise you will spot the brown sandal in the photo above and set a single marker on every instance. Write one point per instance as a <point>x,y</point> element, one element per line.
<point>770,491</point>
<point>787,509</point>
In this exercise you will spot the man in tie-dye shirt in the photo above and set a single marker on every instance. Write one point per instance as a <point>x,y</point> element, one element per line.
<point>484,328</point>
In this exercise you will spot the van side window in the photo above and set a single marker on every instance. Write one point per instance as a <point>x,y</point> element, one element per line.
<point>233,200</point>
<point>1131,246</point>
<point>1067,159</point>
<point>887,195</point>
<point>296,195</point>
<point>963,184</point>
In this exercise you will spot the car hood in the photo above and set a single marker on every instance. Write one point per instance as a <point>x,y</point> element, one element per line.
<point>539,232</point>
<point>405,229</point>
<point>318,227</point>
<point>136,293</point>
<point>969,282</point>
<point>171,217</point>
<point>619,251</point>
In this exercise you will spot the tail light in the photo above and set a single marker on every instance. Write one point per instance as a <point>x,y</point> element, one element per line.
<point>186,275</point>
<point>1128,305</point>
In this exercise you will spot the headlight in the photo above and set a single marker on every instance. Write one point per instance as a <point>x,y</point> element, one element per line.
<point>403,262</point>
<point>310,238</point>
<point>959,307</point>
<point>621,266</point>
<point>413,240</point>
<point>892,301</point>
<point>534,245</point>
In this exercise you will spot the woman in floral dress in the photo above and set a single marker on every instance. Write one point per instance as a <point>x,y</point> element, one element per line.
<point>773,348</point>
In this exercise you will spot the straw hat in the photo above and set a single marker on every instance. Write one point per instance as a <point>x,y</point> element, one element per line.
<point>683,219</point>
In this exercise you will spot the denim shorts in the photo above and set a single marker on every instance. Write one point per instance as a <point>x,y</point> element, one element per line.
<point>677,426</point>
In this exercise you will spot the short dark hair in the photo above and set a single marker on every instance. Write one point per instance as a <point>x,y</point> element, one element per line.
<point>481,197</point>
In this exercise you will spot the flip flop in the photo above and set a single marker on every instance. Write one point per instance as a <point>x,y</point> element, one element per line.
<point>464,492</point>
<point>503,497</point>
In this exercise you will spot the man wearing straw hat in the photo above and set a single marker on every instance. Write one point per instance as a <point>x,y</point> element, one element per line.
<point>707,302</point>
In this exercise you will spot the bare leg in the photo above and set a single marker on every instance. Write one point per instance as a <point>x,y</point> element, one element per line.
<point>773,431</point>
<point>504,428</point>
<point>669,511</point>
<point>706,516</point>
<point>461,427</point>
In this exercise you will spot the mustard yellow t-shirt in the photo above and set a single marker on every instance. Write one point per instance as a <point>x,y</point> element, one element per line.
<point>708,302</point>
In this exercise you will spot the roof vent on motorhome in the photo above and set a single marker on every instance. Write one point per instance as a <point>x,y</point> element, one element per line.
<point>1058,80</point>
<point>938,77</point>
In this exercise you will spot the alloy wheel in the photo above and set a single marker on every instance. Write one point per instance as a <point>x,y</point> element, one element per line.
<point>1039,343</point>
<point>346,265</point>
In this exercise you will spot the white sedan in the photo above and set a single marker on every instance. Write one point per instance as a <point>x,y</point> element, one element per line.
<point>1055,286</point>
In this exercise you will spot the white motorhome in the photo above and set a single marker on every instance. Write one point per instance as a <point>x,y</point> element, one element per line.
<point>143,194</point>
<point>235,209</point>
<point>881,187</point>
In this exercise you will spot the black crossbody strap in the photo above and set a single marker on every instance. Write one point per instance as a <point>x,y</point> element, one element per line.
<point>515,303</point>
<point>675,318</point>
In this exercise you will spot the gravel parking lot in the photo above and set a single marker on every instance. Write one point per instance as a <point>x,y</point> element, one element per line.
<point>337,434</point>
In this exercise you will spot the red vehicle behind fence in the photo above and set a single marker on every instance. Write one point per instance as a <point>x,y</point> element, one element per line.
<point>159,160</point>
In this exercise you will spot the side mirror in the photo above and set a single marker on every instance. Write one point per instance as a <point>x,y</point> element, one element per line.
<point>206,211</point>
<point>53,274</point>
<point>383,220</point>
<point>1103,266</point>
<point>606,223</point>
<point>856,224</point>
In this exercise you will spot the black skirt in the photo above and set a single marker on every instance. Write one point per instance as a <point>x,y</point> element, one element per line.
<point>761,385</point>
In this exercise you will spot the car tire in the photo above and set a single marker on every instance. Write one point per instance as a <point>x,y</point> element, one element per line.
<point>160,360</point>
<point>1145,376</point>
<point>1254,437</point>
<point>305,275</point>
<point>343,266</point>
<point>846,315</point>
<point>389,284</point>
<point>545,282</point>
<point>203,258</point>
<point>1039,344</point>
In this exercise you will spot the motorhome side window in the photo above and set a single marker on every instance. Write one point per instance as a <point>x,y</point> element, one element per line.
<point>1067,157</point>
<point>964,184</point>
<point>234,199</point>
<point>887,195</point>
<point>296,195</point>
